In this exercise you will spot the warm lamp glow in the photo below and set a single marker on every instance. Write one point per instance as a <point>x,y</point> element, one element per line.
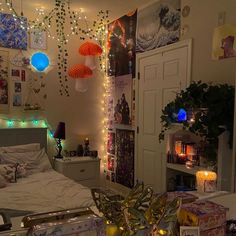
<point>206,181</point>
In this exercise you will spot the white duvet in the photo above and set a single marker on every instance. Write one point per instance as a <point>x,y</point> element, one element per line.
<point>43,192</point>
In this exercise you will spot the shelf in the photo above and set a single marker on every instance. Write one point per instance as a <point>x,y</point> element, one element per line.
<point>182,168</point>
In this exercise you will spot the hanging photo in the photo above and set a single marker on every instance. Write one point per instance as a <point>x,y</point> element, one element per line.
<point>121,45</point>
<point>17,102</point>
<point>125,157</point>
<point>111,143</point>
<point>13,33</point>
<point>17,87</point>
<point>123,100</point>
<point>158,25</point>
<point>4,101</point>
<point>38,39</point>
<point>224,42</point>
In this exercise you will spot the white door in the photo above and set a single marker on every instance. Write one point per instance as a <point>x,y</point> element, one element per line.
<point>161,73</point>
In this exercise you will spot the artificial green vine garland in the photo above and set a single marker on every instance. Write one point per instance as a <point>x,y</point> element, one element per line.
<point>213,108</point>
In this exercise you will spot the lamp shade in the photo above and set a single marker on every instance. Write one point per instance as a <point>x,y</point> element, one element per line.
<point>60,132</point>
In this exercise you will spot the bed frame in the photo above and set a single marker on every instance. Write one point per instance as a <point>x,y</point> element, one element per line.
<point>19,136</point>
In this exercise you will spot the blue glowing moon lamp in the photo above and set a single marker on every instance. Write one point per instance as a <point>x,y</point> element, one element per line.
<point>182,115</point>
<point>40,61</point>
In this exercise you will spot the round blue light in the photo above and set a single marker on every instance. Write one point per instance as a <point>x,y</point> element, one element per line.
<point>182,115</point>
<point>40,61</point>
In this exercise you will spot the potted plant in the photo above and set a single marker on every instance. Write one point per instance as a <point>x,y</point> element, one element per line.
<point>210,110</point>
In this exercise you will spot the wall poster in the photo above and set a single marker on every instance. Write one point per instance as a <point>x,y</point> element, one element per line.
<point>158,25</point>
<point>4,83</point>
<point>125,157</point>
<point>224,42</point>
<point>121,45</point>
<point>123,100</point>
<point>12,33</point>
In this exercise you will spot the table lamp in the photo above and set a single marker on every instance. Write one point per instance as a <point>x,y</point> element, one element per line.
<point>59,134</point>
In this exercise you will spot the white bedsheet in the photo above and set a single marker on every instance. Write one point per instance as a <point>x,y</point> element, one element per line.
<point>43,192</point>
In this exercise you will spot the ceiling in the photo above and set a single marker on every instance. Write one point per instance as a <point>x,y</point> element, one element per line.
<point>90,7</point>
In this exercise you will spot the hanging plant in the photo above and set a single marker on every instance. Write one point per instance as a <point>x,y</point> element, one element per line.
<point>212,107</point>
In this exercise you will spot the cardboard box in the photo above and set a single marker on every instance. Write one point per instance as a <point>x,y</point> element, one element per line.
<point>220,231</point>
<point>205,214</point>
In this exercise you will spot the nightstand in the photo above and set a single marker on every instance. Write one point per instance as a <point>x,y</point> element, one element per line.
<point>85,170</point>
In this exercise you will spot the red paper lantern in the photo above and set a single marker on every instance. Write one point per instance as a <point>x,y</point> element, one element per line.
<point>90,49</point>
<point>80,71</point>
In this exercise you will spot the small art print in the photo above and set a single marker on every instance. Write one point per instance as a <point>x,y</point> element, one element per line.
<point>224,42</point>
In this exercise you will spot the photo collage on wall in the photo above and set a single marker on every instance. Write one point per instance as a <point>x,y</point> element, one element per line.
<point>141,30</point>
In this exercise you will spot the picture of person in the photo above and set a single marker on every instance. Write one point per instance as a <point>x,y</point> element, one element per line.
<point>122,106</point>
<point>17,87</point>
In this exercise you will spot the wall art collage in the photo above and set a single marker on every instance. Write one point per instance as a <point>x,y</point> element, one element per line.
<point>138,31</point>
<point>14,35</point>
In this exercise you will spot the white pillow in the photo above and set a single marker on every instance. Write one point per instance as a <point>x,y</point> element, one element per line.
<point>36,161</point>
<point>21,148</point>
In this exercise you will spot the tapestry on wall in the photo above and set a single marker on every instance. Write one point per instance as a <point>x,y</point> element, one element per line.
<point>158,25</point>
<point>12,33</point>
<point>123,99</point>
<point>224,42</point>
<point>121,45</point>
<point>125,157</point>
<point>4,57</point>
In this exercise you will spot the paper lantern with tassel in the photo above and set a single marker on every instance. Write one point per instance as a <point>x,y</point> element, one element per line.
<point>90,50</point>
<point>81,73</point>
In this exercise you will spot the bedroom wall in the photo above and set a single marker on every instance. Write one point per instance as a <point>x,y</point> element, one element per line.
<point>202,20</point>
<point>81,111</point>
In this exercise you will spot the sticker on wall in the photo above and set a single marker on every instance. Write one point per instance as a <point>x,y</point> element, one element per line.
<point>158,25</point>
<point>224,42</point>
<point>123,100</point>
<point>13,33</point>
<point>121,45</point>
<point>186,11</point>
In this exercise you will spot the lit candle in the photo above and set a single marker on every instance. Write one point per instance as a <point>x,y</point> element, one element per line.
<point>206,181</point>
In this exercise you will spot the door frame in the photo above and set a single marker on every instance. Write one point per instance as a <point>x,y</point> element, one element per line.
<point>184,43</point>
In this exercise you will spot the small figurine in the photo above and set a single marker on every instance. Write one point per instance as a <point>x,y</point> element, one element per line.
<point>86,147</point>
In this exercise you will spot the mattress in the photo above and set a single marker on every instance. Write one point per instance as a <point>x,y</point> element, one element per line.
<point>45,191</point>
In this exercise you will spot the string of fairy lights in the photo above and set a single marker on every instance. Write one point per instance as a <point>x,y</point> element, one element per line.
<point>44,21</point>
<point>26,123</point>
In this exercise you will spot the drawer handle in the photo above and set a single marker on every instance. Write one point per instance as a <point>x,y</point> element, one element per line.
<point>82,170</point>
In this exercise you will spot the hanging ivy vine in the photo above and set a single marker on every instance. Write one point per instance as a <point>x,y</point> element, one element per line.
<point>68,23</point>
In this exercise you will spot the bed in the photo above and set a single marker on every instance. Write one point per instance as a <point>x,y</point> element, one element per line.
<point>42,189</point>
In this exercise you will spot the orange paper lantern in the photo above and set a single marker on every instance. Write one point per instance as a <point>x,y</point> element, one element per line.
<point>80,71</point>
<point>90,49</point>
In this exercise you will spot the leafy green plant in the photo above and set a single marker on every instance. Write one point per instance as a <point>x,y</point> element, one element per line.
<point>213,109</point>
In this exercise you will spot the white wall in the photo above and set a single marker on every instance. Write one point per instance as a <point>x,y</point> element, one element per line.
<point>202,20</point>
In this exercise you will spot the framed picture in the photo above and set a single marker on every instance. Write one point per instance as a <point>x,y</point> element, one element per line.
<point>189,231</point>
<point>38,39</point>
<point>4,83</point>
